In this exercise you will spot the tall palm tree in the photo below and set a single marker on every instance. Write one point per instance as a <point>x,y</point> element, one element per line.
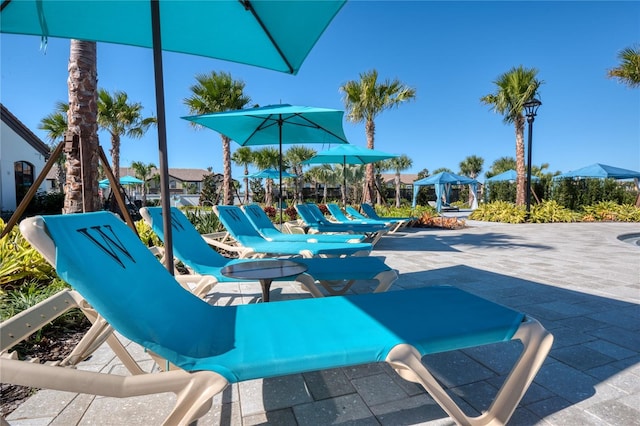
<point>471,166</point>
<point>120,118</point>
<point>55,124</point>
<point>364,100</point>
<point>513,89</point>
<point>399,164</point>
<point>243,156</point>
<point>267,158</point>
<point>143,171</point>
<point>217,92</point>
<point>81,187</point>
<point>628,72</point>
<point>294,156</point>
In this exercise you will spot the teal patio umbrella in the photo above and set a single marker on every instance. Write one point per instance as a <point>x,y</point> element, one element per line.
<point>276,35</point>
<point>348,154</point>
<point>277,124</point>
<point>271,174</point>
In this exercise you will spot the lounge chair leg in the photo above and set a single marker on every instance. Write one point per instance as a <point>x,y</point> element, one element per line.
<point>537,342</point>
<point>385,279</point>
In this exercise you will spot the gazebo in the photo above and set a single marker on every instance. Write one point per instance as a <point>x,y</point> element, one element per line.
<point>443,182</point>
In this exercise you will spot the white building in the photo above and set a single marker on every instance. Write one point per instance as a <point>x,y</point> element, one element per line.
<point>22,158</point>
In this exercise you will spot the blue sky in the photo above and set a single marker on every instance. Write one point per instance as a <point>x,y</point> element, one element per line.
<point>450,52</point>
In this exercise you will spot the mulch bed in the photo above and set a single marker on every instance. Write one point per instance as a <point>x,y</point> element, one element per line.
<point>54,345</point>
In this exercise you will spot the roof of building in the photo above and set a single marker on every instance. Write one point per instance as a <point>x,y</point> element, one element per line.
<point>23,131</point>
<point>405,178</point>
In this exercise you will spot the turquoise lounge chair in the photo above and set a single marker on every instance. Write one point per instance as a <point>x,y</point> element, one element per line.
<point>356,217</point>
<point>315,220</point>
<point>335,275</point>
<point>244,233</point>
<point>209,346</point>
<point>393,225</point>
<point>370,211</point>
<point>263,224</point>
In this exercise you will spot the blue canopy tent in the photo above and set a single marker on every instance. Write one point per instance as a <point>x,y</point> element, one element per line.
<point>443,182</point>
<point>599,171</point>
<point>508,176</point>
<point>602,171</point>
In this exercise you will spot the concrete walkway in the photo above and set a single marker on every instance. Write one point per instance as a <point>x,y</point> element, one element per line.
<point>579,280</point>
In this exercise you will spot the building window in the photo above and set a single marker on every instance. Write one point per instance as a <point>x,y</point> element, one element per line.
<point>173,184</point>
<point>24,176</point>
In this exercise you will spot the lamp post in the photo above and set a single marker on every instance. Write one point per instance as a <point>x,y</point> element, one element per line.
<point>530,108</point>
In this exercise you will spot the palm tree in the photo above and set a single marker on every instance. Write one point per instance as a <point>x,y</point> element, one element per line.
<point>55,124</point>
<point>217,92</point>
<point>399,164</point>
<point>294,157</point>
<point>471,166</point>
<point>367,98</point>
<point>120,118</point>
<point>243,156</point>
<point>628,72</point>
<point>81,186</point>
<point>267,158</point>
<point>514,88</point>
<point>143,172</point>
<point>501,165</point>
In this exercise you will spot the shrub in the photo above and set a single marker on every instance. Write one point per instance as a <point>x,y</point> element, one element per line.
<point>270,211</point>
<point>291,212</point>
<point>146,234</point>
<point>610,211</point>
<point>20,262</point>
<point>551,211</point>
<point>499,211</point>
<point>203,219</point>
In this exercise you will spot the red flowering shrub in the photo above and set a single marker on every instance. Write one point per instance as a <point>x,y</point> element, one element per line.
<point>270,211</point>
<point>291,213</point>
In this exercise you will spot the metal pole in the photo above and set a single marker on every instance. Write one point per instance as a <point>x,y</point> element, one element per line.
<point>530,119</point>
<point>165,202</point>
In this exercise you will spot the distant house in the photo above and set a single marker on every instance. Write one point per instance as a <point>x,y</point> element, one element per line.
<point>22,157</point>
<point>181,181</point>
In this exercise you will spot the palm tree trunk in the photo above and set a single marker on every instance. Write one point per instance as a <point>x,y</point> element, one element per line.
<point>370,130</point>
<point>398,189</point>
<point>226,164</point>
<point>520,167</point>
<point>246,184</point>
<point>115,155</point>
<point>81,188</point>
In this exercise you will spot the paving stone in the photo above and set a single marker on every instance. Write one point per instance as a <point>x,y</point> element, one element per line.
<point>73,413</point>
<point>625,338</point>
<point>279,417</point>
<point>227,414</point>
<point>328,383</point>
<point>581,357</point>
<point>260,396</point>
<point>346,409</point>
<point>456,369</point>
<point>566,382</point>
<point>418,409</point>
<point>362,370</point>
<point>378,389</point>
<point>139,410</point>
<point>616,413</point>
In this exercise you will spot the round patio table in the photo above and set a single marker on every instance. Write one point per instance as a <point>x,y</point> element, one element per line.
<point>263,270</point>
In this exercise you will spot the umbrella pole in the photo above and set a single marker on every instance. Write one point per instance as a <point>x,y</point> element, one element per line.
<point>165,202</point>
<point>280,168</point>
<point>344,180</point>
